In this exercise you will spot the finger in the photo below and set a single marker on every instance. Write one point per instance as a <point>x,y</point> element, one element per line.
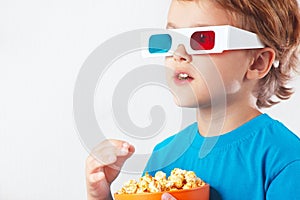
<point>107,153</point>
<point>111,143</point>
<point>113,148</point>
<point>95,177</point>
<point>126,150</point>
<point>120,148</point>
<point>122,158</point>
<point>167,196</point>
<point>131,149</point>
<point>123,150</point>
<point>96,164</point>
<point>117,166</point>
<point>110,154</point>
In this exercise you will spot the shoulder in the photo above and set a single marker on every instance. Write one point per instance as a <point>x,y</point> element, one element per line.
<point>278,146</point>
<point>283,184</point>
<point>279,135</point>
<point>182,135</point>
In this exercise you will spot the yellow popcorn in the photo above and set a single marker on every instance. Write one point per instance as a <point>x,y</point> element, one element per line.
<point>148,178</point>
<point>142,186</point>
<point>160,176</point>
<point>155,186</point>
<point>129,187</point>
<point>179,179</point>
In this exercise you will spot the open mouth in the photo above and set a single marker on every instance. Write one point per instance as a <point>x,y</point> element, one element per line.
<point>182,76</point>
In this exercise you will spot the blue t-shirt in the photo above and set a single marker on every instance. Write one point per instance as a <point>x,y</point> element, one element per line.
<point>258,160</point>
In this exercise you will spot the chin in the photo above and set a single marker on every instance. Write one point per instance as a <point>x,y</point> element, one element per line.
<point>185,103</point>
<point>189,103</point>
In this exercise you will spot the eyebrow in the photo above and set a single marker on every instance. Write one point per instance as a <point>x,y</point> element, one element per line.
<point>172,25</point>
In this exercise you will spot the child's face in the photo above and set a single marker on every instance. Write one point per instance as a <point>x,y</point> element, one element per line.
<point>231,65</point>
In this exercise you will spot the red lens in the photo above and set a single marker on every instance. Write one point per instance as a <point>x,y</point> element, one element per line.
<point>203,40</point>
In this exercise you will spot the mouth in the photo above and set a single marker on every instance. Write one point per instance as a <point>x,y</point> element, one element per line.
<point>183,77</point>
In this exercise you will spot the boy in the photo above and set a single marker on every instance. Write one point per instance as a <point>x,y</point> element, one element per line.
<point>254,157</point>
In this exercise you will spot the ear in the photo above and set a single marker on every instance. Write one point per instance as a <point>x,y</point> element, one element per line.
<point>262,63</point>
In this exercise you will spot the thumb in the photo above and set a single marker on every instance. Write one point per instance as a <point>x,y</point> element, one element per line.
<point>167,196</point>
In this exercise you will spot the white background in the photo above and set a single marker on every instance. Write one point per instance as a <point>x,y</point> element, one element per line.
<point>42,47</point>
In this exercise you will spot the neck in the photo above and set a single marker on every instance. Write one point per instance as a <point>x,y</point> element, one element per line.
<point>217,121</point>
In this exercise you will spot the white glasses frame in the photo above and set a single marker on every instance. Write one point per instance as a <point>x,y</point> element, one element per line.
<point>226,38</point>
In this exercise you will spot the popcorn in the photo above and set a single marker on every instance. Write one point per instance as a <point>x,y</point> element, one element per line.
<point>129,187</point>
<point>160,176</point>
<point>155,186</point>
<point>179,179</point>
<point>143,186</point>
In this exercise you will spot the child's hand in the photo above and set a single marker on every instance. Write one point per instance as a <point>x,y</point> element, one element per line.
<point>104,165</point>
<point>167,196</point>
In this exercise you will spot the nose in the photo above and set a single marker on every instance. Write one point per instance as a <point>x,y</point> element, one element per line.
<point>180,55</point>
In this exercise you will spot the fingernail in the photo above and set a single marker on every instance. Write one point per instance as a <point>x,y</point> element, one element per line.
<point>124,151</point>
<point>125,145</point>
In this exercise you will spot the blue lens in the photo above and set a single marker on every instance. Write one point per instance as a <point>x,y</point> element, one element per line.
<point>160,43</point>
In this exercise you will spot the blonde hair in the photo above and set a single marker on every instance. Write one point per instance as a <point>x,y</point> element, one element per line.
<point>276,22</point>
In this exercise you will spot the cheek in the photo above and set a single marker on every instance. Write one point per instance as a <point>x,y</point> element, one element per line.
<point>232,79</point>
<point>169,69</point>
<point>232,69</point>
<point>169,64</point>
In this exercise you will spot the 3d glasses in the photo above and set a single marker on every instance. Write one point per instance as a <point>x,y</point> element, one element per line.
<point>199,40</point>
